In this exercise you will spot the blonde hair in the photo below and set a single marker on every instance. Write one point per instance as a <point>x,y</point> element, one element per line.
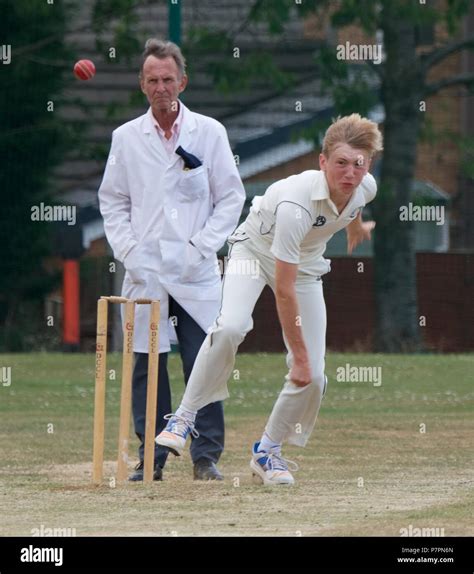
<point>161,49</point>
<point>356,131</point>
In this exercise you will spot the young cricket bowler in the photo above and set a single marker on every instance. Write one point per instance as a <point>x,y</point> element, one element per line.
<point>284,237</point>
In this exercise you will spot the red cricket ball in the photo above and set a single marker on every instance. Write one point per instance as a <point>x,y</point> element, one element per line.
<point>84,69</point>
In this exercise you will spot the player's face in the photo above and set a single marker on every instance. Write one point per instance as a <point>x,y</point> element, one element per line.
<point>162,83</point>
<point>344,168</point>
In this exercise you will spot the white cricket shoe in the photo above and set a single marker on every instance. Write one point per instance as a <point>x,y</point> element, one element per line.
<point>271,468</point>
<point>175,433</point>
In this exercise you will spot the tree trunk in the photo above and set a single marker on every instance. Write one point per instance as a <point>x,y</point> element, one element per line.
<point>397,323</point>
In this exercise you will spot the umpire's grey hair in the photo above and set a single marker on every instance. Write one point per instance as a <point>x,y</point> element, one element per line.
<point>161,49</point>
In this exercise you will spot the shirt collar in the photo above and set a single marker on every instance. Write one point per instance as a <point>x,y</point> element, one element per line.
<point>320,187</point>
<point>175,128</point>
<point>321,191</point>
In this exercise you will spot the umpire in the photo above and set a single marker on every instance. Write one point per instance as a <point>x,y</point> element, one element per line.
<point>170,196</point>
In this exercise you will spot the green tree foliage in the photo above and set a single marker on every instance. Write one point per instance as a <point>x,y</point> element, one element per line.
<point>31,144</point>
<point>120,15</point>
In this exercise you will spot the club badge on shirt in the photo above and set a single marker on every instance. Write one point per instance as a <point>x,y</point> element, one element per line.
<point>320,220</point>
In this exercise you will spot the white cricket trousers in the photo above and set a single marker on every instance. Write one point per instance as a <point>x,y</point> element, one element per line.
<point>295,411</point>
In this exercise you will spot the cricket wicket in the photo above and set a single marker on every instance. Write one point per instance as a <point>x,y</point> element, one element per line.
<point>126,392</point>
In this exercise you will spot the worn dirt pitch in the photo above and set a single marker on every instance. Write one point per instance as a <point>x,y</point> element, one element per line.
<point>367,471</point>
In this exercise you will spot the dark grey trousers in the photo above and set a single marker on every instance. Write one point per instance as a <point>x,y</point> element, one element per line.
<point>209,420</point>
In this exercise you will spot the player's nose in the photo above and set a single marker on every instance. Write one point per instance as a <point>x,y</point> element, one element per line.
<point>350,172</point>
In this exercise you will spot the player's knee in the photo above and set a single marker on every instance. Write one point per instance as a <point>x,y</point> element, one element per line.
<point>234,331</point>
<point>319,380</point>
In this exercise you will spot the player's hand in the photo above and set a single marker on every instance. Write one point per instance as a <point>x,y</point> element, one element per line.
<point>134,266</point>
<point>300,374</point>
<point>358,233</point>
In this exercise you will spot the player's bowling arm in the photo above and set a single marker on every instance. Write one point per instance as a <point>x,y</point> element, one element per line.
<point>290,319</point>
<point>358,231</point>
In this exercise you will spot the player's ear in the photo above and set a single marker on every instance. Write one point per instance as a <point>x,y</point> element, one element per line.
<point>322,161</point>
<point>183,84</point>
<point>142,83</point>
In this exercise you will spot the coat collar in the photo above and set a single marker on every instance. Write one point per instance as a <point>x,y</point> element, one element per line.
<point>188,126</point>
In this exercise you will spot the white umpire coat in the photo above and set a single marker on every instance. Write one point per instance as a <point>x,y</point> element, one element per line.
<point>166,223</point>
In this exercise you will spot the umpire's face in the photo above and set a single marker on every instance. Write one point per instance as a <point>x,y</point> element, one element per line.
<point>162,83</point>
<point>344,168</point>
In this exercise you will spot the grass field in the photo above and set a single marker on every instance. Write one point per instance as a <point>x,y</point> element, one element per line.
<point>380,459</point>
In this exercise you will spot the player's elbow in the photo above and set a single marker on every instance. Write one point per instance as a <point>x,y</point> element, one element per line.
<point>285,279</point>
<point>285,293</point>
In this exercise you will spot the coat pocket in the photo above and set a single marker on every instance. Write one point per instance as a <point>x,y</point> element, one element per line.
<point>193,185</point>
<point>173,253</point>
<point>134,267</point>
<point>192,262</point>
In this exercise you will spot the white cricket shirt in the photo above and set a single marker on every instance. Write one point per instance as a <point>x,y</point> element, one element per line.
<point>295,218</point>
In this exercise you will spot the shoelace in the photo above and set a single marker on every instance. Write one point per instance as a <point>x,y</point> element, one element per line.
<point>277,462</point>
<point>182,423</point>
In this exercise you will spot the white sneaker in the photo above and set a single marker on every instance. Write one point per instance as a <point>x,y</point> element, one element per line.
<point>175,434</point>
<point>271,468</point>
